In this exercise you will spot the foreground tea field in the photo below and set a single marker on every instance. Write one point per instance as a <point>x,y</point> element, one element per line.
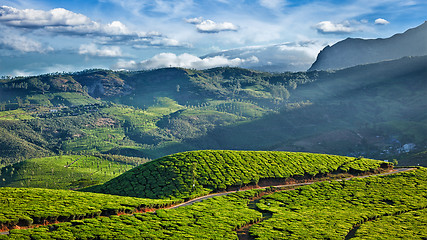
<point>27,206</point>
<point>327,210</point>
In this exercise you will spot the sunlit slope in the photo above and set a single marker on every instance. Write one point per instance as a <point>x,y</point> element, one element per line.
<point>27,206</point>
<point>196,173</point>
<point>66,172</point>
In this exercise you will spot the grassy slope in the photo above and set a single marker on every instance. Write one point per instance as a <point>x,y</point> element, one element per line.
<point>329,210</point>
<point>51,172</point>
<point>196,173</point>
<point>26,206</point>
<point>339,205</point>
<point>410,225</point>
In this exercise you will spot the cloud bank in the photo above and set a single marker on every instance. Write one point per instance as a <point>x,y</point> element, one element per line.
<point>62,21</point>
<point>295,56</point>
<point>291,56</point>
<point>185,60</point>
<point>106,51</point>
<point>12,41</point>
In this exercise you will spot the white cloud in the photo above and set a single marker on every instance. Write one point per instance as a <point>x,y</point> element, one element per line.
<point>381,21</point>
<point>106,51</point>
<point>292,56</point>
<point>21,43</point>
<point>184,60</point>
<point>197,20</point>
<point>62,21</point>
<point>49,69</point>
<point>209,26</point>
<point>272,4</point>
<point>30,18</point>
<point>22,73</point>
<point>325,27</point>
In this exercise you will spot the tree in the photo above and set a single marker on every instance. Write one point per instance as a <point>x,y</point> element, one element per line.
<point>395,162</point>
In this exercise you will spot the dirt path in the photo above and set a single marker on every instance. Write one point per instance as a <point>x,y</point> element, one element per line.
<point>290,186</point>
<point>199,199</point>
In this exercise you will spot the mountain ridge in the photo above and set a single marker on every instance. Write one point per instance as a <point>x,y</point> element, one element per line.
<point>356,51</point>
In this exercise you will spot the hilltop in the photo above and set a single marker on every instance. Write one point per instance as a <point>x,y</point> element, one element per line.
<point>190,174</point>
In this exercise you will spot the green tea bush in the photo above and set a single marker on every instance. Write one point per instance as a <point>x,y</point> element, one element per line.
<point>190,174</point>
<point>25,206</point>
<point>329,210</point>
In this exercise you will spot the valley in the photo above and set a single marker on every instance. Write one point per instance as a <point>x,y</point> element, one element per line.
<point>374,113</point>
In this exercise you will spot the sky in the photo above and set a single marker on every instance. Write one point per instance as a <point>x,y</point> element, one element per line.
<point>47,36</point>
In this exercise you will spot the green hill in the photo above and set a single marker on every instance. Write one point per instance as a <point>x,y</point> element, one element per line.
<point>27,206</point>
<point>379,207</point>
<point>370,110</point>
<point>190,174</point>
<point>66,172</point>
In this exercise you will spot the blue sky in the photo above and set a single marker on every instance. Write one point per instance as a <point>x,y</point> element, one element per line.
<point>61,35</point>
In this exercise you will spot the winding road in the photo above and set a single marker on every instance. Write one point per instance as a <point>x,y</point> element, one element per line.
<point>199,199</point>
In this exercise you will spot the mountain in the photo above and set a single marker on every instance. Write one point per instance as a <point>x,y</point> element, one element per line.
<point>130,113</point>
<point>355,51</point>
<point>369,110</point>
<point>374,110</point>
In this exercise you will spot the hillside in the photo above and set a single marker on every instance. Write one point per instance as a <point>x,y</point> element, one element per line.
<point>65,171</point>
<point>354,51</point>
<point>191,174</point>
<point>372,110</point>
<point>27,206</point>
<point>379,207</point>
<point>131,113</point>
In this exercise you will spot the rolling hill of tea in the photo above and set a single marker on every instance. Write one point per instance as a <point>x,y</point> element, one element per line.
<point>353,209</point>
<point>27,206</point>
<point>191,174</point>
<point>66,171</point>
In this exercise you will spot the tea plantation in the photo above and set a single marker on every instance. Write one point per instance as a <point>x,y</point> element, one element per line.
<point>196,173</point>
<point>27,206</point>
<point>327,210</point>
<point>66,171</point>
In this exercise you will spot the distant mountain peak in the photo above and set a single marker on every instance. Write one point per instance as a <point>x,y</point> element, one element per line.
<point>356,51</point>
